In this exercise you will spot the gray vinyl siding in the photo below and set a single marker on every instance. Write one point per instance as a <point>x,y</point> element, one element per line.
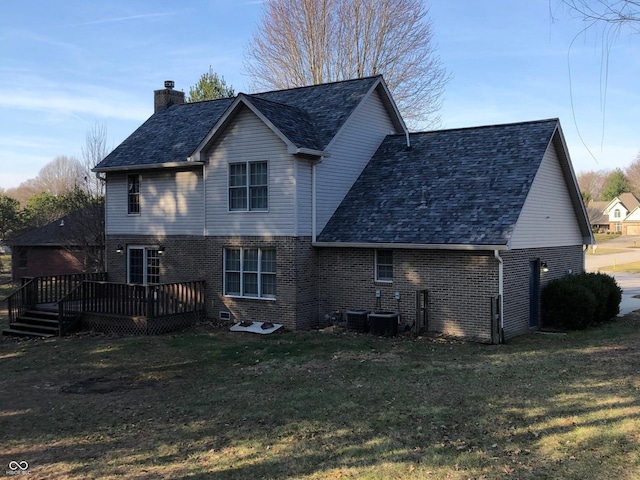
<point>349,153</point>
<point>548,218</point>
<point>248,139</point>
<point>171,203</point>
<point>303,197</point>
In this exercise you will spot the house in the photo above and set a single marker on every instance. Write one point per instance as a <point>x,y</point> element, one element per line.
<point>599,221</point>
<point>64,246</point>
<point>622,214</point>
<point>296,203</point>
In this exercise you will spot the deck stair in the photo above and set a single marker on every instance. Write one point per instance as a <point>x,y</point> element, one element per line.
<point>39,321</point>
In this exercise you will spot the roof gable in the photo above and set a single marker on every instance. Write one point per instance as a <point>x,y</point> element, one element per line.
<point>627,200</point>
<point>305,117</point>
<point>452,187</point>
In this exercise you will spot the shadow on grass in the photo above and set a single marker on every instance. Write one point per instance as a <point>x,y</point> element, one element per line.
<point>312,406</point>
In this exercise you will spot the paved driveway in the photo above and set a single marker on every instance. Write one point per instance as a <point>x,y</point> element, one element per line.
<point>629,282</point>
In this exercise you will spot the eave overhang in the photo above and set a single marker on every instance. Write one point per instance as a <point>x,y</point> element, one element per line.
<point>151,166</point>
<point>410,246</point>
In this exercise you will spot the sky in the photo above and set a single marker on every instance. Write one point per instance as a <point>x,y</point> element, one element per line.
<point>68,66</point>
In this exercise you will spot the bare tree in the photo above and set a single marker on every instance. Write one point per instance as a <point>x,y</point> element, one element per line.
<point>632,173</point>
<point>59,176</point>
<point>93,152</point>
<point>592,183</point>
<point>614,13</point>
<point>307,42</point>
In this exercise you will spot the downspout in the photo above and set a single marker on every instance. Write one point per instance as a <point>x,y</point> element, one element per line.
<point>496,253</point>
<point>313,202</point>
<point>204,199</point>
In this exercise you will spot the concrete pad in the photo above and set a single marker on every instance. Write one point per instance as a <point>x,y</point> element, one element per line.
<point>630,284</point>
<point>261,328</point>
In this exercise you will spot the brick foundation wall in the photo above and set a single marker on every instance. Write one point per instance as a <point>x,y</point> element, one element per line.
<point>516,280</point>
<point>195,258</point>
<point>461,286</point>
<point>295,305</point>
<point>184,258</point>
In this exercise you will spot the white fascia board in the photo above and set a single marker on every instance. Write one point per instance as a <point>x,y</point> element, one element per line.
<point>150,166</point>
<point>410,246</point>
<point>572,184</point>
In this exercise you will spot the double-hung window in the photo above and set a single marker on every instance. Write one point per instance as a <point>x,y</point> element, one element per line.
<point>248,186</point>
<point>384,265</point>
<point>133,194</point>
<point>250,272</point>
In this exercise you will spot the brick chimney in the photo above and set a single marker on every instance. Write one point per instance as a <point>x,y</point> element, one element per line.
<point>166,97</point>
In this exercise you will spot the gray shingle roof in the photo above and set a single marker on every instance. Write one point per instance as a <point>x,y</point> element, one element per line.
<point>293,122</point>
<point>309,116</point>
<point>60,232</point>
<point>463,187</point>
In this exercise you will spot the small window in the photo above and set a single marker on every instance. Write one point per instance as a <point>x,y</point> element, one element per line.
<point>250,272</point>
<point>248,186</point>
<point>133,195</point>
<point>384,265</point>
<point>616,213</point>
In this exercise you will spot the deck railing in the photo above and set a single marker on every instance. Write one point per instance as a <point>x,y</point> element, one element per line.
<point>134,300</point>
<point>45,289</point>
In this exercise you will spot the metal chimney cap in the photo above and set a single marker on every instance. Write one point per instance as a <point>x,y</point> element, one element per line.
<point>168,84</point>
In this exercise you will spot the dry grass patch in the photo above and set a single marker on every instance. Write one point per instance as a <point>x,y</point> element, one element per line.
<point>212,404</point>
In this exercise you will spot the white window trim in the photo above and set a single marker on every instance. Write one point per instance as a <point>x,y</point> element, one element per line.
<point>248,186</point>
<point>259,273</point>
<point>134,214</point>
<point>375,267</point>
<point>145,248</point>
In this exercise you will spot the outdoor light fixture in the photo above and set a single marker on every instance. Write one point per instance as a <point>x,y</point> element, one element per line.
<point>119,248</point>
<point>544,267</point>
<point>161,250</point>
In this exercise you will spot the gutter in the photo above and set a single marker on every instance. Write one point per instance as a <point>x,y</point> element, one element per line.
<point>152,166</point>
<point>411,246</point>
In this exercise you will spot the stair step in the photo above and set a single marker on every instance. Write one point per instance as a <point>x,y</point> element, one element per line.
<point>41,314</point>
<point>46,322</point>
<point>29,327</point>
<point>10,332</point>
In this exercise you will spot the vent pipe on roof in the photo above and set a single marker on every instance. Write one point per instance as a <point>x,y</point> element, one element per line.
<point>166,97</point>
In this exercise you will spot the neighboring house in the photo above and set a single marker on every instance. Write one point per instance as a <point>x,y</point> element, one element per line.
<point>56,248</point>
<point>619,211</point>
<point>295,203</point>
<point>598,220</point>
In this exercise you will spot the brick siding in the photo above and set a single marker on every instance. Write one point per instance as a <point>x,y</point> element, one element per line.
<point>560,261</point>
<point>196,258</point>
<point>461,286</point>
<point>314,282</point>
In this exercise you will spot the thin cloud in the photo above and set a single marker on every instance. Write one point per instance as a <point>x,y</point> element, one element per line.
<point>124,19</point>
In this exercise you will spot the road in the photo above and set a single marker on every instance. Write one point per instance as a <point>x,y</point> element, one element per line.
<point>629,282</point>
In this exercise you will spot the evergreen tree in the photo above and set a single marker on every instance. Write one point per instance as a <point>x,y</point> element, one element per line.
<point>615,185</point>
<point>210,87</point>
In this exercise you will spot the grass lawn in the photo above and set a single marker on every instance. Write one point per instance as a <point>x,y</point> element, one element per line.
<point>604,237</point>
<point>213,404</point>
<point>633,267</point>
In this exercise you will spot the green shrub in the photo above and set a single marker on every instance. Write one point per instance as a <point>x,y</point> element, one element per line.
<point>614,295</point>
<point>577,301</point>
